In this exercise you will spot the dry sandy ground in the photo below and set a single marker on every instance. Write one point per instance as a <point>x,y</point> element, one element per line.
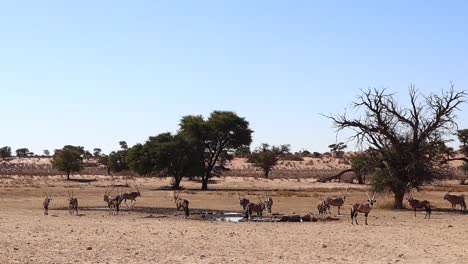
<point>27,236</point>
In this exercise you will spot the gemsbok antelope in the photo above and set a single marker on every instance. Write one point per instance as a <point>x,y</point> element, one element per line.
<point>268,203</point>
<point>253,207</point>
<point>46,204</point>
<point>181,204</point>
<point>323,207</point>
<point>113,202</point>
<point>456,199</point>
<point>337,201</point>
<point>364,208</point>
<point>131,196</point>
<point>243,201</point>
<point>417,204</point>
<point>72,203</point>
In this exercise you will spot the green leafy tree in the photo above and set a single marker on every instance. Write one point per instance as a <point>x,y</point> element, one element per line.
<point>5,152</point>
<point>266,157</point>
<point>222,132</point>
<point>87,155</point>
<point>68,159</point>
<point>104,160</point>
<point>123,145</point>
<point>97,152</point>
<point>165,155</point>
<point>46,152</point>
<point>117,160</point>
<point>338,149</point>
<point>361,165</point>
<point>463,138</point>
<point>403,137</point>
<point>242,152</point>
<point>22,152</point>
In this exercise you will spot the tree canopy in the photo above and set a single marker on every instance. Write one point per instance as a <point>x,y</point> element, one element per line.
<point>403,137</point>
<point>68,159</point>
<point>22,152</point>
<point>5,152</point>
<point>266,157</point>
<point>165,155</point>
<point>221,132</point>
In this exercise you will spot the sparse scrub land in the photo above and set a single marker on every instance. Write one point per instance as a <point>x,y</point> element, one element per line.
<point>151,191</point>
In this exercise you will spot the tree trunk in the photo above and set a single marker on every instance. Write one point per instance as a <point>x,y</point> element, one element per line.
<point>266,173</point>
<point>205,179</point>
<point>176,184</point>
<point>68,175</point>
<point>360,178</point>
<point>204,183</point>
<point>398,203</point>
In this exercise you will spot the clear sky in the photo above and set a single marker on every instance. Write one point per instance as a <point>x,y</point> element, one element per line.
<point>92,73</point>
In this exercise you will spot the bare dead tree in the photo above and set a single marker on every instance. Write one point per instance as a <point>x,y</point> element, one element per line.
<point>403,138</point>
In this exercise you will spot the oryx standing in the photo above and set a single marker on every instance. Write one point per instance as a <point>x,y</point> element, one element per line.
<point>417,204</point>
<point>323,207</point>
<point>181,204</point>
<point>257,208</point>
<point>113,201</point>
<point>131,196</point>
<point>456,199</point>
<point>364,208</point>
<point>46,204</point>
<point>268,203</point>
<point>243,201</point>
<point>72,203</point>
<point>337,201</point>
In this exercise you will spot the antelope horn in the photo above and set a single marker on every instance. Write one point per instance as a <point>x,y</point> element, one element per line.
<point>260,199</point>
<point>368,196</point>
<point>375,193</point>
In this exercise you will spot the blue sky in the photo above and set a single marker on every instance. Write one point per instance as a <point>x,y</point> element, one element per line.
<point>92,73</point>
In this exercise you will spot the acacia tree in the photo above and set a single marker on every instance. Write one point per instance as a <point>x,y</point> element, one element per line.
<point>402,137</point>
<point>117,160</point>
<point>266,157</point>
<point>463,138</point>
<point>5,152</point>
<point>221,133</point>
<point>22,152</point>
<point>338,149</point>
<point>68,159</point>
<point>361,165</point>
<point>165,155</point>
<point>97,152</point>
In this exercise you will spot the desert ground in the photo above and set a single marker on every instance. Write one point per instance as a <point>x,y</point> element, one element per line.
<point>152,231</point>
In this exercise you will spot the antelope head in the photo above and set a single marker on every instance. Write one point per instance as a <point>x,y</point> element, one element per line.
<point>371,201</point>
<point>447,195</point>
<point>106,194</point>
<point>346,193</point>
<point>262,203</point>
<point>176,196</point>
<point>138,190</point>
<point>47,199</point>
<point>70,195</point>
<point>410,196</point>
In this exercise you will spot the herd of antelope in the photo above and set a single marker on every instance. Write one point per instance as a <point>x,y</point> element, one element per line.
<point>265,202</point>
